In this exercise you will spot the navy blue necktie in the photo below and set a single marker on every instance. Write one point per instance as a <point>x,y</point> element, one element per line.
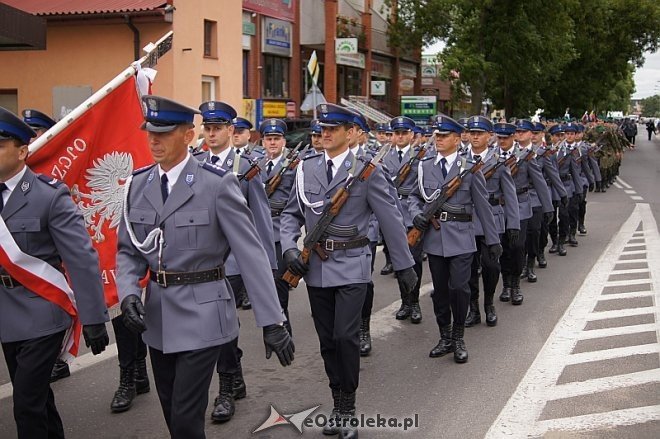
<point>328,172</point>
<point>269,167</point>
<point>444,169</point>
<point>214,159</point>
<point>400,156</point>
<point>164,191</point>
<point>3,187</point>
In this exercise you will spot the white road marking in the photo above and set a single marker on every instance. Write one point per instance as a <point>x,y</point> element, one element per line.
<point>630,271</point>
<point>633,252</point>
<point>623,183</point>
<point>628,295</point>
<point>631,261</point>
<point>617,185</point>
<point>636,198</point>
<point>630,191</point>
<point>623,283</point>
<point>520,416</point>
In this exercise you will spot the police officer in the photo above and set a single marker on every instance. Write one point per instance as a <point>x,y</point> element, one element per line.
<point>393,162</point>
<point>451,247</point>
<point>504,209</point>
<point>240,139</point>
<point>337,286</point>
<point>218,130</point>
<point>181,219</point>
<point>40,123</point>
<point>586,180</point>
<point>383,133</point>
<point>33,320</point>
<point>526,175</point>
<point>591,168</point>
<point>315,134</point>
<point>465,136</point>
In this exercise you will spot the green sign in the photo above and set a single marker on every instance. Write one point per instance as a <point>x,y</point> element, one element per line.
<point>419,108</point>
<point>249,28</point>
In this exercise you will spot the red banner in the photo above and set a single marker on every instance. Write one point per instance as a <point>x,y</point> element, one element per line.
<point>94,155</point>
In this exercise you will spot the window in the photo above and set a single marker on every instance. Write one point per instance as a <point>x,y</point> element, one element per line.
<point>350,81</point>
<point>246,64</point>
<point>209,88</point>
<point>9,100</point>
<point>210,39</point>
<point>276,77</point>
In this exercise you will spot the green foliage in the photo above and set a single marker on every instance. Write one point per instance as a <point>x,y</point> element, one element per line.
<point>651,106</point>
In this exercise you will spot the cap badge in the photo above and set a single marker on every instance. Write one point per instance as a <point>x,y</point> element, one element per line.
<point>211,105</point>
<point>153,104</point>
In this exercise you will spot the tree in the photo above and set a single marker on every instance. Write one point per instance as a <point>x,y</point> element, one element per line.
<point>651,106</point>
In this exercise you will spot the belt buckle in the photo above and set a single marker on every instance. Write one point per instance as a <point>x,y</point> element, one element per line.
<point>443,216</point>
<point>161,278</point>
<point>7,281</point>
<point>329,245</point>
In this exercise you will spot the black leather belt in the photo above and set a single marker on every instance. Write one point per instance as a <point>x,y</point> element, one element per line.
<point>9,282</point>
<point>565,177</point>
<point>496,201</point>
<point>165,279</point>
<point>276,212</point>
<point>446,216</point>
<point>522,190</point>
<point>331,245</point>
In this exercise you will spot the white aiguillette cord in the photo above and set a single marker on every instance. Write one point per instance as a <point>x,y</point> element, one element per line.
<point>154,239</point>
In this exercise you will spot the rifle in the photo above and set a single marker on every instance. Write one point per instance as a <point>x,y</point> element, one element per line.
<point>491,171</point>
<point>330,211</point>
<point>519,157</point>
<point>255,167</point>
<point>274,182</point>
<point>404,170</point>
<point>448,189</point>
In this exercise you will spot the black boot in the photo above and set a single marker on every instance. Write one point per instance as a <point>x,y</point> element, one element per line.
<point>561,250</point>
<point>541,260</point>
<point>404,311</point>
<point>224,403</point>
<point>365,338</point>
<point>331,426</point>
<point>571,239</point>
<point>123,399</point>
<point>141,377</point>
<point>506,290</point>
<point>60,370</point>
<point>415,313</point>
<point>347,416</point>
<point>531,276</point>
<point>245,303</point>
<point>387,269</point>
<point>239,384</point>
<point>555,245</point>
<point>516,295</point>
<point>460,351</point>
<point>525,272</point>
<point>598,187</point>
<point>582,229</point>
<point>445,345</point>
<point>491,317</point>
<point>473,317</point>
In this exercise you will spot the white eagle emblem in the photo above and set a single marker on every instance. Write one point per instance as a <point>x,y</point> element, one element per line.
<point>105,202</point>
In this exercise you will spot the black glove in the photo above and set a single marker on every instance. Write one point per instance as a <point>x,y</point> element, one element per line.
<point>407,279</point>
<point>591,187</point>
<point>420,222</point>
<point>512,236</point>
<point>96,337</point>
<point>293,260</point>
<point>564,201</point>
<point>277,338</point>
<point>495,251</point>
<point>547,217</point>
<point>133,310</point>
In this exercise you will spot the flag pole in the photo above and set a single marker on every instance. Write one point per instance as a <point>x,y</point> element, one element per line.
<point>154,52</point>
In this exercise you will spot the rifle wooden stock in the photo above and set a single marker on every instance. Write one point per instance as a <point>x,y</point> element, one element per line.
<point>405,169</point>
<point>251,173</point>
<point>273,184</point>
<point>294,279</point>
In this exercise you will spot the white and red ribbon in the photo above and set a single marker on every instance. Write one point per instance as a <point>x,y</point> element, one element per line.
<point>43,279</point>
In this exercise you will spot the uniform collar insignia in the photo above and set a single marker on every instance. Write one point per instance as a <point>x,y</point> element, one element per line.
<point>230,162</point>
<point>25,186</point>
<point>347,164</point>
<point>151,176</point>
<point>190,178</point>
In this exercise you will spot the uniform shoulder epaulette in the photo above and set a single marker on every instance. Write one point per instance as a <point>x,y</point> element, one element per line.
<point>423,159</point>
<point>213,168</point>
<point>248,157</point>
<point>312,156</point>
<point>199,153</point>
<point>50,181</point>
<point>143,169</point>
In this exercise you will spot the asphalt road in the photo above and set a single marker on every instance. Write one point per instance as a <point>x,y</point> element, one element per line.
<point>444,399</point>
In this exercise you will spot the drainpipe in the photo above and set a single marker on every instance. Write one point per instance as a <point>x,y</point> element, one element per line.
<point>136,37</point>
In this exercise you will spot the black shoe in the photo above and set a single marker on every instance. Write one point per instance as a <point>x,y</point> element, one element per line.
<point>415,313</point>
<point>531,276</point>
<point>491,317</point>
<point>347,416</point>
<point>505,296</point>
<point>123,398</point>
<point>473,317</point>
<point>460,351</point>
<point>60,370</point>
<point>365,338</point>
<point>541,260</point>
<point>141,377</point>
<point>387,269</point>
<point>224,407</point>
<point>516,295</point>
<point>554,248</point>
<point>561,250</point>
<point>571,240</point>
<point>331,426</point>
<point>404,312</point>
<point>524,273</point>
<point>445,345</point>
<point>245,303</point>
<point>240,391</point>
<point>582,229</point>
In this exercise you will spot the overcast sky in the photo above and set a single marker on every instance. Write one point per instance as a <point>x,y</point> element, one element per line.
<point>647,77</point>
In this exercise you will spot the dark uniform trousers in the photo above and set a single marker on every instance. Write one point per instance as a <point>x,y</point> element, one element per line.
<point>30,363</point>
<point>182,381</point>
<point>282,286</point>
<point>559,225</point>
<point>513,257</point>
<point>490,272</point>
<point>417,254</point>
<point>574,211</point>
<point>229,356</point>
<point>534,225</point>
<point>130,346</point>
<point>369,298</point>
<point>451,294</point>
<point>582,211</point>
<point>336,313</point>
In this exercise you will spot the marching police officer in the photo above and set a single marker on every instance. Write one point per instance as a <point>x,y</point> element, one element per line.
<point>240,139</point>
<point>586,178</point>
<point>338,284</point>
<point>591,166</point>
<point>182,217</point>
<point>41,221</point>
<point>451,247</point>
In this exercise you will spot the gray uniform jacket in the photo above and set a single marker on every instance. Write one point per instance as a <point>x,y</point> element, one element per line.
<point>277,201</point>
<point>454,237</point>
<point>373,232</point>
<point>45,223</point>
<point>586,176</point>
<point>591,162</point>
<point>569,172</point>
<point>348,266</point>
<point>551,174</point>
<point>204,217</point>
<point>255,195</point>
<point>500,187</point>
<point>392,165</point>
<point>527,178</point>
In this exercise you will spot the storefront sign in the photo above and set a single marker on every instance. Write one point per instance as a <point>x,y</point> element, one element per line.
<point>407,84</point>
<point>429,71</point>
<point>378,88</point>
<point>407,70</point>
<point>418,108</point>
<point>282,9</point>
<point>358,60</point>
<point>273,109</point>
<point>348,46</point>
<point>277,37</point>
<point>381,69</point>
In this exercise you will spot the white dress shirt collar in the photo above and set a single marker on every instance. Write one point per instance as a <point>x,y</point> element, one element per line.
<point>174,173</point>
<point>337,161</point>
<point>12,183</point>
<point>451,158</point>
